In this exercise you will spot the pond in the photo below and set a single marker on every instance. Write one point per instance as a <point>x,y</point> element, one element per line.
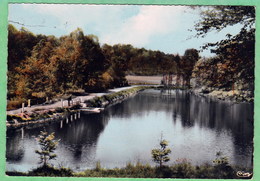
<point>196,128</point>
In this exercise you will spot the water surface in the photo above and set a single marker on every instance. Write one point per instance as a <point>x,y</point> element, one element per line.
<point>196,128</point>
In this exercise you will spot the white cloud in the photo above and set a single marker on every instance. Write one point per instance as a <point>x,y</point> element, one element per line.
<point>72,16</point>
<point>150,21</point>
<point>115,23</point>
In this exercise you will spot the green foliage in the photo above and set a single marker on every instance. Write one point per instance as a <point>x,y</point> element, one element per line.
<point>114,97</point>
<point>186,65</point>
<point>125,59</point>
<point>234,64</point>
<point>46,66</point>
<point>222,166</point>
<point>181,169</point>
<point>15,103</point>
<point>48,146</point>
<point>216,18</point>
<point>160,155</point>
<point>14,118</point>
<point>130,171</point>
<point>47,170</point>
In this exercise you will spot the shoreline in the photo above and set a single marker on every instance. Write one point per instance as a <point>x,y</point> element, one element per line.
<point>183,169</point>
<point>96,104</point>
<point>224,95</point>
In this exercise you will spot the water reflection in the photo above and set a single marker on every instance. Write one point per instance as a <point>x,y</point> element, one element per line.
<point>197,127</point>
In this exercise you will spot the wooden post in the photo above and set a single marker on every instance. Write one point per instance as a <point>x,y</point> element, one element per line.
<point>29,103</point>
<point>22,107</point>
<point>47,99</point>
<point>75,116</point>
<point>71,117</point>
<point>233,87</point>
<point>22,131</point>
<point>62,104</point>
<point>67,120</point>
<point>79,114</point>
<point>61,124</point>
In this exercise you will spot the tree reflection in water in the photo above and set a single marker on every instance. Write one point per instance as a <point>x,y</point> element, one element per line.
<point>85,140</point>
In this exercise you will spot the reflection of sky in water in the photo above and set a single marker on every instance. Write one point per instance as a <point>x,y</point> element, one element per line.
<point>196,128</point>
<point>190,142</point>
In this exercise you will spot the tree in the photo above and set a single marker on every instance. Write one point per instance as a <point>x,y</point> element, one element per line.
<point>160,155</point>
<point>20,44</point>
<point>219,17</point>
<point>191,56</point>
<point>37,69</point>
<point>236,52</point>
<point>48,146</point>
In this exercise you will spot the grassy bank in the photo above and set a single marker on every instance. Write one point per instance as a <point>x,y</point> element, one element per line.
<point>105,100</point>
<point>38,117</point>
<point>179,170</point>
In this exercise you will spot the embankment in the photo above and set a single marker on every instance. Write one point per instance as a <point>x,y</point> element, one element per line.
<point>221,94</point>
<point>42,116</point>
<point>109,99</point>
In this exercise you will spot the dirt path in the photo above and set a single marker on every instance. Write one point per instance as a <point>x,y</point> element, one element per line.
<point>65,102</point>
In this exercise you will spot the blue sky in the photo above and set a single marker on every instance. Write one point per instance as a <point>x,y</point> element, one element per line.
<point>163,28</point>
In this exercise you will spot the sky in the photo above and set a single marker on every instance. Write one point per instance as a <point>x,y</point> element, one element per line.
<point>163,28</point>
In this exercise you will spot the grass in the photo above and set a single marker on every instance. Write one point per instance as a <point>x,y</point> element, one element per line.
<point>114,97</point>
<point>45,170</point>
<point>179,170</point>
<point>39,115</point>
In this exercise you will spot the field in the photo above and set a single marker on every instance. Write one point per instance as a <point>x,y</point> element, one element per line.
<point>132,79</point>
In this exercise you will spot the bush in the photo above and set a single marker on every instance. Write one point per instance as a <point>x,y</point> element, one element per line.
<point>47,170</point>
<point>15,103</point>
<point>60,110</point>
<point>183,170</point>
<point>97,101</point>
<point>77,106</point>
<point>179,170</point>
<point>11,119</point>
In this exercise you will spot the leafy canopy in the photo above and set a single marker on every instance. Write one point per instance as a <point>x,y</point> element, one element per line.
<point>216,18</point>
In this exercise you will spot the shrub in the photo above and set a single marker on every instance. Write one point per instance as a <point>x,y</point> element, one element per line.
<point>47,170</point>
<point>15,103</point>
<point>222,167</point>
<point>48,145</point>
<point>160,155</point>
<point>60,110</point>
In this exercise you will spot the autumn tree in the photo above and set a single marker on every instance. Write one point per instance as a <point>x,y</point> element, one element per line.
<point>37,69</point>
<point>65,62</point>
<point>20,44</point>
<point>118,58</point>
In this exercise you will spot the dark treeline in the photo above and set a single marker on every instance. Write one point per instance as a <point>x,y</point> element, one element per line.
<point>138,61</point>
<point>42,66</point>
